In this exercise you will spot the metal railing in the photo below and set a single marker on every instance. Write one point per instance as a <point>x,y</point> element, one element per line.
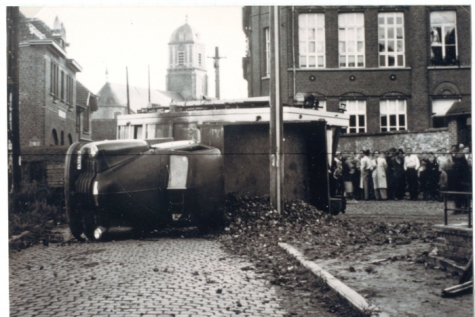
<point>467,208</point>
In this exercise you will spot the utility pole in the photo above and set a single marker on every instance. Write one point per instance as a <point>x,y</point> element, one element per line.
<point>275,124</point>
<point>149,100</point>
<point>128,97</point>
<point>13,92</point>
<point>216,69</point>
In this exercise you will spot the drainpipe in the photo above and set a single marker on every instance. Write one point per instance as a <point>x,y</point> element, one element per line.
<point>293,52</point>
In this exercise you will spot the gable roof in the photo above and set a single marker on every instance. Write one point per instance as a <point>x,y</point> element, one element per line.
<point>85,98</point>
<point>112,94</point>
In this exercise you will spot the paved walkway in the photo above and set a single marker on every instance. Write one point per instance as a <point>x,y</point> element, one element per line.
<point>389,210</point>
<point>155,277</point>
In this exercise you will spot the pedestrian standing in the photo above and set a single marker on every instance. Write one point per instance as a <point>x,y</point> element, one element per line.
<point>348,172</point>
<point>461,175</point>
<point>411,165</point>
<point>390,171</point>
<point>443,180</point>
<point>399,177</point>
<point>336,181</point>
<point>357,175</point>
<point>432,172</point>
<point>366,167</point>
<point>422,178</point>
<point>379,176</point>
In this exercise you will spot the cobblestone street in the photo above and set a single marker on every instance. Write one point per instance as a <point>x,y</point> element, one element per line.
<point>167,276</point>
<point>154,277</point>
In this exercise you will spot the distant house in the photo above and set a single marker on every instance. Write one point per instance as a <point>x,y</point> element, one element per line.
<point>86,104</point>
<point>113,102</point>
<point>186,80</point>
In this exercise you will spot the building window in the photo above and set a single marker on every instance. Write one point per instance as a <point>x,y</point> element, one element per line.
<point>54,136</point>
<point>85,120</point>
<point>62,85</point>
<point>199,59</point>
<point>357,111</point>
<point>138,132</point>
<point>151,128</point>
<point>181,58</point>
<point>312,40</point>
<point>393,115</point>
<point>123,132</point>
<point>68,93</point>
<point>391,39</point>
<point>351,40</point>
<point>54,78</point>
<point>267,51</point>
<point>443,38</point>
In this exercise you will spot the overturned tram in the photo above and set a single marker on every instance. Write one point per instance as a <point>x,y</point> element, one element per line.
<point>219,147</point>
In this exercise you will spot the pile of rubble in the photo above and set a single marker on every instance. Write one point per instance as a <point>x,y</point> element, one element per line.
<point>250,219</point>
<point>254,229</point>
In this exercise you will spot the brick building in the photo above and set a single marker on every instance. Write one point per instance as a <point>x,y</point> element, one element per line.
<point>54,107</point>
<point>403,72</point>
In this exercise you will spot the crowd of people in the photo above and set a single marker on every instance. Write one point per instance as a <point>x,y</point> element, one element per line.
<point>393,173</point>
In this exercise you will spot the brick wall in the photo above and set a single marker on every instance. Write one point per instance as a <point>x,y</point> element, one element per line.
<point>31,96</point>
<point>104,129</point>
<point>430,141</point>
<point>454,242</point>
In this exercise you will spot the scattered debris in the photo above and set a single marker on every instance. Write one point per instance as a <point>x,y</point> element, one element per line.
<point>458,289</point>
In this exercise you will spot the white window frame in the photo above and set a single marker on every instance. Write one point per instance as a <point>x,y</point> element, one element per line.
<point>391,34</point>
<point>385,110</point>
<point>312,40</point>
<point>151,131</point>
<point>353,109</point>
<point>351,31</point>
<point>267,51</point>
<point>441,43</point>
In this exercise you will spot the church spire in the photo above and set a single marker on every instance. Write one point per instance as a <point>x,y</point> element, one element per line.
<point>107,76</point>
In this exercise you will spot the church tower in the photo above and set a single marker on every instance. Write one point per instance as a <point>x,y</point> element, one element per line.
<point>186,73</point>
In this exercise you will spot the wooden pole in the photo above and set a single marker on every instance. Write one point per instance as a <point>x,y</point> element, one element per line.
<point>149,99</point>
<point>13,92</point>
<point>216,67</point>
<point>216,59</point>
<point>128,97</point>
<point>276,124</point>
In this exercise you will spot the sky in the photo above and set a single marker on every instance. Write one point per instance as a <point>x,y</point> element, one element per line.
<point>137,37</point>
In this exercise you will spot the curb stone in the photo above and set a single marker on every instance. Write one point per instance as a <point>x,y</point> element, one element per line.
<point>355,299</point>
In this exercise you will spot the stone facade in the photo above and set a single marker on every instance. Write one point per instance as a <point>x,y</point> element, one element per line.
<point>419,142</point>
